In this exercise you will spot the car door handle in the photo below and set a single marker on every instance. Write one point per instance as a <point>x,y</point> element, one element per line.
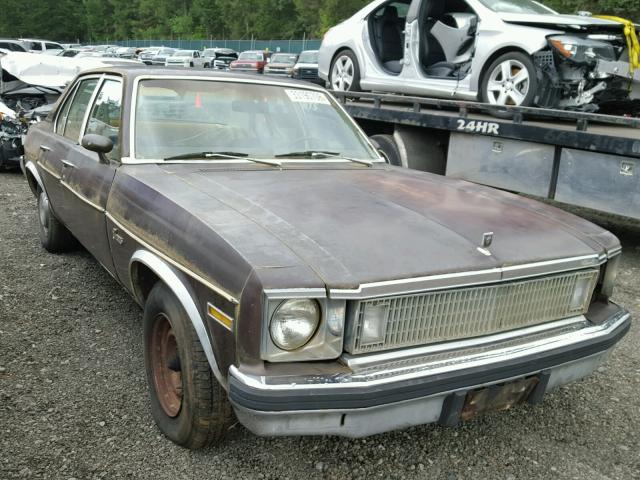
<point>44,148</point>
<point>67,164</point>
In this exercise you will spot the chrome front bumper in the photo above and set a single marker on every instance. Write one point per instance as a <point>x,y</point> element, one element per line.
<point>413,387</point>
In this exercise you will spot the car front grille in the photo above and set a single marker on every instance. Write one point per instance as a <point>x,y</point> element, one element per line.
<point>440,316</point>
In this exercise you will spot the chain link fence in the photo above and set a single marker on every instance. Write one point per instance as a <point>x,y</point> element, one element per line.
<point>288,46</point>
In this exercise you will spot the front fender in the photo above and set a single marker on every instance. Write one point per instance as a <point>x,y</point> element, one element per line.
<point>178,284</point>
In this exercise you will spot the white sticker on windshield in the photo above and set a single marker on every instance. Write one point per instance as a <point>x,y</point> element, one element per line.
<point>307,96</point>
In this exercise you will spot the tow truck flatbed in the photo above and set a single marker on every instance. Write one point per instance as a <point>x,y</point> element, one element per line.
<point>584,159</point>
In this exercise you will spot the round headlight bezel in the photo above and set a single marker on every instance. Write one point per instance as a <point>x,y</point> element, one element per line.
<point>307,336</point>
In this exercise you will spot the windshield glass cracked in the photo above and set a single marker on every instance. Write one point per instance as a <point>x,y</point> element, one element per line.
<point>180,117</point>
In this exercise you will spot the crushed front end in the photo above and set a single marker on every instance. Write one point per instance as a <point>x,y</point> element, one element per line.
<point>593,68</point>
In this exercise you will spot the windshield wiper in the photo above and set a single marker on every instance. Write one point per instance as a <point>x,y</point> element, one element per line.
<point>323,154</point>
<point>308,153</point>
<point>223,155</point>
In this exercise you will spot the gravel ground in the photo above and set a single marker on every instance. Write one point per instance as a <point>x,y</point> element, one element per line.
<point>73,398</point>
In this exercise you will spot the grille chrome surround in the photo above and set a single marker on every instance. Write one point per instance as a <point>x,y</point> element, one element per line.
<point>446,315</point>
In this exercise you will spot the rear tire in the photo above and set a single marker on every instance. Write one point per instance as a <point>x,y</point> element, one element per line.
<point>386,145</point>
<point>54,236</point>
<point>345,72</point>
<point>187,403</point>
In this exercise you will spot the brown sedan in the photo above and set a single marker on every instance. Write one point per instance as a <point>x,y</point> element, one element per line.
<point>289,275</point>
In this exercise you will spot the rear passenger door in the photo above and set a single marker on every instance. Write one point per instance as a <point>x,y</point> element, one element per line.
<point>87,176</point>
<point>55,145</point>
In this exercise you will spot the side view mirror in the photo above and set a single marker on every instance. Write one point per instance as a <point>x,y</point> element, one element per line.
<point>99,144</point>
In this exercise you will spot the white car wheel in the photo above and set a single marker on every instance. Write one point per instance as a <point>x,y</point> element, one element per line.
<point>509,83</point>
<point>345,73</point>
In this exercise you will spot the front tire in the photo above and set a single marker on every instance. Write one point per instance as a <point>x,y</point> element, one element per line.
<point>510,80</point>
<point>187,403</point>
<point>54,236</point>
<point>345,72</point>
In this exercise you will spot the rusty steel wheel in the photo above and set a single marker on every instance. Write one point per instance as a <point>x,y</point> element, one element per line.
<point>165,363</point>
<point>187,402</point>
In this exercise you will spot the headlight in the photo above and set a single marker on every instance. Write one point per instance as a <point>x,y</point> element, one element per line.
<point>294,323</point>
<point>581,50</point>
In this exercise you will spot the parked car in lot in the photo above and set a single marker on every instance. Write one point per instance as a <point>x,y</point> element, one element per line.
<point>281,64</point>
<point>42,46</point>
<point>126,52</point>
<point>252,61</point>
<point>187,58</point>
<point>252,220</point>
<point>160,58</point>
<point>506,52</point>
<point>220,58</point>
<point>13,45</point>
<point>307,68</point>
<point>147,54</point>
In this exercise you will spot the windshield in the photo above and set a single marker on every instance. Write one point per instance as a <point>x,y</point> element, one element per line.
<point>518,6</point>
<point>183,117</point>
<point>284,58</point>
<point>308,57</point>
<point>255,56</point>
<point>182,53</point>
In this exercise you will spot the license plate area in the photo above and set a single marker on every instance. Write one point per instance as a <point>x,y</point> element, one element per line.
<point>497,398</point>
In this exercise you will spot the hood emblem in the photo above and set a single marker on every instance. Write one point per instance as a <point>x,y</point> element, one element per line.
<point>487,240</point>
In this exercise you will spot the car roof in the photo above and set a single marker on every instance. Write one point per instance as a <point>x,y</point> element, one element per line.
<point>133,71</point>
<point>37,40</point>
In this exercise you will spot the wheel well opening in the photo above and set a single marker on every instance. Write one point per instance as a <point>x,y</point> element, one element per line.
<point>33,183</point>
<point>337,54</point>
<point>143,280</point>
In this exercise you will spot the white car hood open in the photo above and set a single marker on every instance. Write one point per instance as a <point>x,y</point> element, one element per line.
<point>28,69</point>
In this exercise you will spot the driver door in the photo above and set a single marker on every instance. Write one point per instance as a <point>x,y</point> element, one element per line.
<point>87,176</point>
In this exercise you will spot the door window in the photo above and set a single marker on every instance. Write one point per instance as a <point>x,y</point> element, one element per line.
<point>78,108</point>
<point>104,118</point>
<point>53,46</point>
<point>64,112</point>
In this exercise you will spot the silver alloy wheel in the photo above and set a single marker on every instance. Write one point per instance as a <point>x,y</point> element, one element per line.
<point>508,83</point>
<point>342,74</point>
<point>43,211</point>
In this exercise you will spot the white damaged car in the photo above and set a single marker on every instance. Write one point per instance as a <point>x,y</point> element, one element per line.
<point>503,52</point>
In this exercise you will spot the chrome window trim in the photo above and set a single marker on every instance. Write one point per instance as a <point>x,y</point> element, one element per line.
<point>68,100</point>
<point>341,382</point>
<point>75,93</point>
<point>94,97</point>
<point>219,290</point>
<point>87,113</point>
<point>131,159</point>
<point>466,279</point>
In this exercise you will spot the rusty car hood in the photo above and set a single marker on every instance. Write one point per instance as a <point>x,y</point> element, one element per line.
<point>358,225</point>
